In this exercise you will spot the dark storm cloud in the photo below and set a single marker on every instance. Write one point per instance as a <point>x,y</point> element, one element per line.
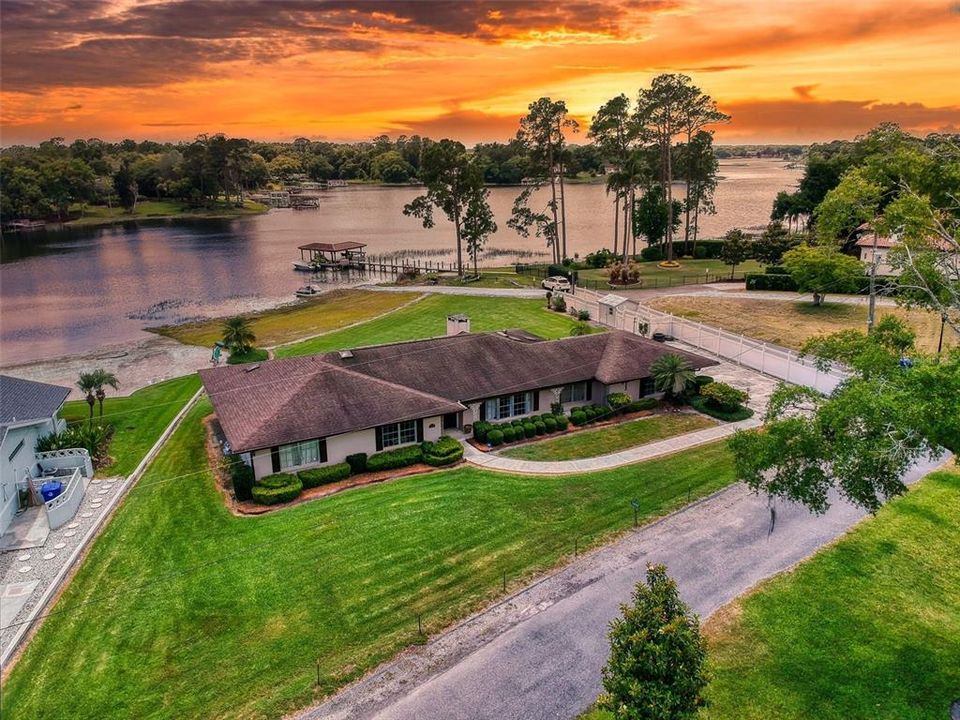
<point>91,43</point>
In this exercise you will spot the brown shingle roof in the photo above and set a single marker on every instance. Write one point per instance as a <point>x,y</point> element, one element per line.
<point>474,366</point>
<point>293,399</point>
<point>284,401</point>
<point>22,400</point>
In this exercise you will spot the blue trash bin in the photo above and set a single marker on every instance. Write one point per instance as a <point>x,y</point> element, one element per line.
<point>49,490</point>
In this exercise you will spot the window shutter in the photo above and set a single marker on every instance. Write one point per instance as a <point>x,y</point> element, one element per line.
<point>536,400</point>
<point>420,430</point>
<point>589,390</point>
<point>275,458</point>
<point>483,410</point>
<point>323,450</point>
<point>379,439</point>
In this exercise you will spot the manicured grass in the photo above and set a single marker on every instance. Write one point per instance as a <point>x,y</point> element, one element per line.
<point>102,215</point>
<point>590,443</point>
<point>138,419</point>
<point>689,272</point>
<point>506,278</point>
<point>868,629</point>
<point>791,323</point>
<point>183,610</point>
<point>428,318</point>
<point>302,319</point>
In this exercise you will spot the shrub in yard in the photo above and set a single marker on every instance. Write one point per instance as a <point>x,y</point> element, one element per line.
<point>480,430</point>
<point>652,254</point>
<point>558,303</point>
<point>495,437</point>
<point>701,380</point>
<point>723,396</point>
<point>583,315</point>
<point>641,404</point>
<point>702,404</point>
<point>357,463</point>
<point>392,459</point>
<point>550,424</point>
<point>445,451</point>
<point>539,427</point>
<point>618,401</point>
<point>315,477</point>
<point>529,430</point>
<point>562,421</point>
<point>510,433</point>
<point>277,488</point>
<point>578,417</point>
<point>241,475</point>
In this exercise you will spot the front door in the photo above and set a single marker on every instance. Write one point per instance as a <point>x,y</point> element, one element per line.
<point>451,421</point>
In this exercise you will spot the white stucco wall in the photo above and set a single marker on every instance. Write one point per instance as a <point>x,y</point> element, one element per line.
<point>12,470</point>
<point>340,446</point>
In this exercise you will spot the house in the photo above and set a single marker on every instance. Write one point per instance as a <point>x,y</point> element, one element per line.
<point>292,413</point>
<point>28,411</point>
<point>874,248</point>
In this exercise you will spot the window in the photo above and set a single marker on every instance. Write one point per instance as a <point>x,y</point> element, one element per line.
<point>302,453</point>
<point>647,387</point>
<point>399,433</point>
<point>575,392</point>
<point>509,406</point>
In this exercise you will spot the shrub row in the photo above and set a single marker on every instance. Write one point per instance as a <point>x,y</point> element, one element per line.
<point>705,249</point>
<point>765,281</point>
<point>392,459</point>
<point>518,429</point>
<point>590,413</point>
<point>445,451</point>
<point>276,488</point>
<point>241,475</point>
<point>315,477</point>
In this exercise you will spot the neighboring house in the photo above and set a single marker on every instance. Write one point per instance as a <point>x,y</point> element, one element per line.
<point>293,413</point>
<point>28,411</point>
<point>877,249</point>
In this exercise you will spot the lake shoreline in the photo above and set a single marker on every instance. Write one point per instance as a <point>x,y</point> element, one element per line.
<point>250,209</point>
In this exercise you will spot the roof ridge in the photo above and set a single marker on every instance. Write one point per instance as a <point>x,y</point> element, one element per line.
<point>389,383</point>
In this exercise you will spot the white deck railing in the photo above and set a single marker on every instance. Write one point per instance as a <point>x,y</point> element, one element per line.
<point>64,506</point>
<point>768,358</point>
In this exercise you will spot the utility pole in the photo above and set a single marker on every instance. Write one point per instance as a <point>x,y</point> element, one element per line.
<point>871,310</point>
<point>943,321</point>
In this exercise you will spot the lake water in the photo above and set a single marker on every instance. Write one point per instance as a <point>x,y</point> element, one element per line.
<point>77,290</point>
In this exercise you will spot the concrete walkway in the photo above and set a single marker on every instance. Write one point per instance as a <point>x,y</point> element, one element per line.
<point>538,654</point>
<point>492,461</point>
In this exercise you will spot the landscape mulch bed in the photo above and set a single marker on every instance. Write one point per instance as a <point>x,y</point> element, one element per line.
<point>240,508</point>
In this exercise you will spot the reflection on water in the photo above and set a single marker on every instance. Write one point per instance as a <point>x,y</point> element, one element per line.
<point>74,290</point>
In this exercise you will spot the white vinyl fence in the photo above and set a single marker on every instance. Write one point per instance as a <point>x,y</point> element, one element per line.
<point>770,359</point>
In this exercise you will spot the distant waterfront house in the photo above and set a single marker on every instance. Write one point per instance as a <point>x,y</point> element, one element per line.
<point>287,414</point>
<point>877,249</point>
<point>28,411</point>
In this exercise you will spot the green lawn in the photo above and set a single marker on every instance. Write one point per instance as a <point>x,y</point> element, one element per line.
<point>287,323</point>
<point>428,318</point>
<point>689,272</point>
<point>868,629</point>
<point>183,610</point>
<point>100,214</point>
<point>603,441</point>
<point>489,278</point>
<point>138,419</point>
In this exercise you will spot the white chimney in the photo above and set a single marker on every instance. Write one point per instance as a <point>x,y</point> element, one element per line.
<point>457,324</point>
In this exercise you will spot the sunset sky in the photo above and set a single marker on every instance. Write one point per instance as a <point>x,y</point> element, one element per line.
<point>794,71</point>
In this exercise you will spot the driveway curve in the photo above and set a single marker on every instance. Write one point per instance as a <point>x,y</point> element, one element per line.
<point>538,654</point>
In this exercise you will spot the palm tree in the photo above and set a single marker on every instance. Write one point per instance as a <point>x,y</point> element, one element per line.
<point>103,378</point>
<point>672,374</point>
<point>88,385</point>
<point>238,335</point>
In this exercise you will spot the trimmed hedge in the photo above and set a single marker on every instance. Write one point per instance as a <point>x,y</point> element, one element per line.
<point>480,430</point>
<point>276,489</point>
<point>701,380</point>
<point>529,430</point>
<point>357,463</point>
<point>242,477</point>
<point>618,400</point>
<point>652,254</point>
<point>315,477</point>
<point>765,281</point>
<point>445,451</point>
<point>392,459</point>
<point>539,428</point>
<point>642,404</point>
<point>704,405</point>
<point>495,437</point>
<point>511,433</point>
<point>550,424</point>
